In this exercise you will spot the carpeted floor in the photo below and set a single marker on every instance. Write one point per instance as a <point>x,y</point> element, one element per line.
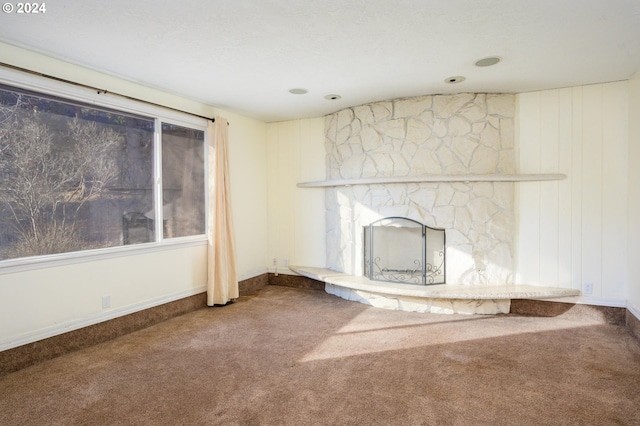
<point>286,356</point>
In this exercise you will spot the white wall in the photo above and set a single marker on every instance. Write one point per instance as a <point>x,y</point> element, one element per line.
<point>296,215</point>
<point>248,165</point>
<point>633,259</point>
<point>41,303</point>
<point>574,231</point>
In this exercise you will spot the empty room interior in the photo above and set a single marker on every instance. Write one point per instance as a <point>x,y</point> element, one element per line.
<point>320,213</point>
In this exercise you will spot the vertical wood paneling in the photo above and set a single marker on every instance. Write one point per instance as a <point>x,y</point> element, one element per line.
<point>309,239</point>
<point>549,217</point>
<point>528,193</point>
<point>295,216</point>
<point>614,188</point>
<point>633,198</point>
<point>592,187</point>
<point>577,233</point>
<point>565,135</point>
<point>286,161</point>
<point>274,135</point>
<point>575,177</point>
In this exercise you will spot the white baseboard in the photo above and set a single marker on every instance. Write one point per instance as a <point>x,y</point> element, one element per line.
<point>14,342</point>
<point>634,311</point>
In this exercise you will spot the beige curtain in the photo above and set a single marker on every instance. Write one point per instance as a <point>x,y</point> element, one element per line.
<point>222,285</point>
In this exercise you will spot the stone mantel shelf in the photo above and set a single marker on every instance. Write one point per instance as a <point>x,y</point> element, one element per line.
<point>525,177</point>
<point>437,291</point>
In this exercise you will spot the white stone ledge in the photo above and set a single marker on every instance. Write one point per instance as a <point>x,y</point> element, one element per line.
<point>437,291</point>
<point>530,177</point>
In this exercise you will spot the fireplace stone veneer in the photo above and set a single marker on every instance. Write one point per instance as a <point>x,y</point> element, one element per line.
<point>464,134</point>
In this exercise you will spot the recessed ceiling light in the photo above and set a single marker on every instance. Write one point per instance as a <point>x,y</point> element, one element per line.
<point>298,91</point>
<point>454,80</point>
<point>487,62</point>
<point>332,97</point>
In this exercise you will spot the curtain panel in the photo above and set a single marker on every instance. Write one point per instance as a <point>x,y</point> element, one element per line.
<point>222,283</point>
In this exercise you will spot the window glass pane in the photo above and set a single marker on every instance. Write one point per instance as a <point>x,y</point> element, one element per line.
<point>72,176</point>
<point>182,181</point>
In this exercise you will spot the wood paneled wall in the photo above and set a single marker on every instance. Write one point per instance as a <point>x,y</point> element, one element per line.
<point>573,232</point>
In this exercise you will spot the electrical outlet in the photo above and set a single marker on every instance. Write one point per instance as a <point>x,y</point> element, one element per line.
<point>106,302</point>
<point>587,288</point>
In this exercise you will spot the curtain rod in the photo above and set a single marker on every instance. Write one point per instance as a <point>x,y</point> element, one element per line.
<point>102,91</point>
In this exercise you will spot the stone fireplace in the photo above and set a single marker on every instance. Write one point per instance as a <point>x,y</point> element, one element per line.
<point>445,162</point>
<point>445,135</point>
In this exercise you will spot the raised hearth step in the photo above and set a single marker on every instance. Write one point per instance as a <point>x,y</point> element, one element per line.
<point>439,291</point>
<point>439,298</point>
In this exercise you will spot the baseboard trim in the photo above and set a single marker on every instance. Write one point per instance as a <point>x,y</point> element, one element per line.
<point>39,347</point>
<point>612,315</point>
<point>295,281</point>
<point>634,311</point>
<point>32,353</point>
<point>95,319</point>
<point>633,321</point>
<point>588,300</point>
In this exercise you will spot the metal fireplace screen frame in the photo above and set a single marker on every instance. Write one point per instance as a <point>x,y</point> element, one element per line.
<point>398,249</point>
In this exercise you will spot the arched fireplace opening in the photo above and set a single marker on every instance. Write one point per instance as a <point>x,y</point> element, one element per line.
<point>398,249</point>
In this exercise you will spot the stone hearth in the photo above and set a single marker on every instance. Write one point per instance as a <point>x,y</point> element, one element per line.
<point>440,299</point>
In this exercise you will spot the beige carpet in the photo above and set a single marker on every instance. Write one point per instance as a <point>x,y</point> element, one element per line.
<point>288,356</point>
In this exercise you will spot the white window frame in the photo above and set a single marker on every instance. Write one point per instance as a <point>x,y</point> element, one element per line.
<point>161,115</point>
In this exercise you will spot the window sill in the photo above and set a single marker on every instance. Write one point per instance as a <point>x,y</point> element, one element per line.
<point>33,263</point>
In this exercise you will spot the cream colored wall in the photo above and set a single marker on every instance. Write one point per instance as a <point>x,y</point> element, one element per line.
<point>248,165</point>
<point>296,215</point>
<point>633,258</point>
<point>574,231</point>
<point>44,302</point>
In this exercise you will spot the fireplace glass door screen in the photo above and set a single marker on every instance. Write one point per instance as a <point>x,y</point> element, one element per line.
<point>398,249</point>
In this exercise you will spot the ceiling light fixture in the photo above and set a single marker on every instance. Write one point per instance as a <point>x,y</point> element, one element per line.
<point>298,91</point>
<point>487,62</point>
<point>332,97</point>
<point>454,80</point>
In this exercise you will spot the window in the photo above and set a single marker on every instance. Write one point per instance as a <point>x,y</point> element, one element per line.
<point>182,181</point>
<point>75,176</point>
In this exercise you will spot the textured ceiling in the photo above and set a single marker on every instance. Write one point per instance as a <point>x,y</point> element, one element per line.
<point>245,55</point>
